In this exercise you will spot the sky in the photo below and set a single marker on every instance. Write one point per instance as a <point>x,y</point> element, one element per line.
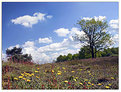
<point>45,29</point>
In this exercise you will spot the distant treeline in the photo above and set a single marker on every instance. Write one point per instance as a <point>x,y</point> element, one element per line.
<point>85,54</point>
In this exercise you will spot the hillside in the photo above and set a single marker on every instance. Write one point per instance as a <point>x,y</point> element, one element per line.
<point>99,73</point>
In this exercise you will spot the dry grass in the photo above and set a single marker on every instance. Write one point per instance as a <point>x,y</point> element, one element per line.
<point>100,73</point>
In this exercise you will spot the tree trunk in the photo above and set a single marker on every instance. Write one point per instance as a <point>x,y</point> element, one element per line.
<point>95,52</point>
<point>92,51</point>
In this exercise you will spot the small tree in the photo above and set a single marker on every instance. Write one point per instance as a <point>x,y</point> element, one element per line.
<point>95,36</point>
<point>15,54</point>
<point>75,57</point>
<point>69,57</point>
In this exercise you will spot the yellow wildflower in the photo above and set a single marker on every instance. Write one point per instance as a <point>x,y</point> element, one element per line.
<point>27,73</point>
<point>28,80</point>
<point>20,76</point>
<point>112,77</point>
<point>63,67</point>
<point>72,71</point>
<point>15,78</point>
<point>89,82</point>
<point>59,73</point>
<point>99,84</point>
<point>66,81</point>
<point>37,77</point>
<point>80,69</point>
<point>24,78</point>
<point>32,74</point>
<point>90,74</point>
<point>107,87</point>
<point>88,71</point>
<point>92,84</point>
<point>38,68</point>
<point>85,79</point>
<point>109,84</point>
<point>81,83</point>
<point>36,71</point>
<point>52,71</point>
<point>64,71</point>
<point>74,79</point>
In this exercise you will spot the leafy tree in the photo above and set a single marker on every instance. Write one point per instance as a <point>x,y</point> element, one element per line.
<point>69,57</point>
<point>75,57</point>
<point>95,36</point>
<point>16,55</point>
<point>14,51</point>
<point>114,50</point>
<point>60,58</point>
<point>84,53</point>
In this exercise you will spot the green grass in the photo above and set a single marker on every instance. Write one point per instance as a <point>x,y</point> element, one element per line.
<point>100,73</point>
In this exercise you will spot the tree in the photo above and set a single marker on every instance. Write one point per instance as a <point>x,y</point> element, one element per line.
<point>95,36</point>
<point>14,51</point>
<point>16,55</point>
<point>84,53</point>
<point>69,57</point>
<point>75,57</point>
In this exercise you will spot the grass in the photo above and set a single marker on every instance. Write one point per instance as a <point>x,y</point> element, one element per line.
<point>100,73</point>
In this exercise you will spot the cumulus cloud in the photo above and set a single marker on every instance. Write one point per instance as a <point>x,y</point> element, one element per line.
<point>114,31</point>
<point>11,47</point>
<point>45,40</point>
<point>48,53</point>
<point>62,32</point>
<point>4,57</point>
<point>49,16</point>
<point>28,20</point>
<point>100,18</point>
<point>114,24</point>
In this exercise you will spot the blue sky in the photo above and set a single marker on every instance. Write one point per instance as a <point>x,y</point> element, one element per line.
<point>39,26</point>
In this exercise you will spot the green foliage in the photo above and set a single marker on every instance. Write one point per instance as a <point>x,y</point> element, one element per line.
<point>69,57</point>
<point>75,57</point>
<point>84,53</point>
<point>95,35</point>
<point>14,51</point>
<point>109,52</point>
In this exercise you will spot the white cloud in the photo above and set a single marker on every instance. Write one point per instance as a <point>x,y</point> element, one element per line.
<point>45,40</point>
<point>114,24</point>
<point>114,31</point>
<point>29,21</point>
<point>100,18</point>
<point>48,53</point>
<point>86,18</point>
<point>49,16</point>
<point>11,47</point>
<point>29,44</point>
<point>4,57</point>
<point>62,32</point>
<point>114,21</point>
